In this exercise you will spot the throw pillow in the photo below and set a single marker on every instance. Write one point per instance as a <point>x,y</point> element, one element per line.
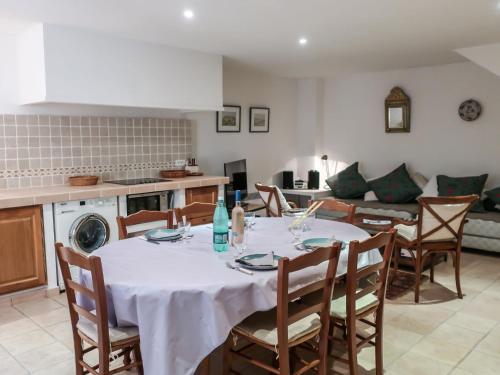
<point>396,187</point>
<point>494,195</point>
<point>456,186</point>
<point>348,184</point>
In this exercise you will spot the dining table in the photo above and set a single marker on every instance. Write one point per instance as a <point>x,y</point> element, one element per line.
<point>185,300</point>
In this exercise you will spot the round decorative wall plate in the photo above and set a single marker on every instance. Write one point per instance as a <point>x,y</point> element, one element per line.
<point>469,110</point>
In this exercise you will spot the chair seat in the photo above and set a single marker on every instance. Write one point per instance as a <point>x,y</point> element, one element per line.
<point>116,334</point>
<point>262,326</point>
<point>408,232</point>
<point>338,307</point>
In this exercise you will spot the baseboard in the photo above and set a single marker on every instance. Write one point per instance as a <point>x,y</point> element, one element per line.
<point>28,295</point>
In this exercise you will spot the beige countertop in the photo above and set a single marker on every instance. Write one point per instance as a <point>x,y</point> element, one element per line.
<point>64,193</point>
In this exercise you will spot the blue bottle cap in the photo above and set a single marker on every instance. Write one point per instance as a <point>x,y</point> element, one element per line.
<point>237,196</point>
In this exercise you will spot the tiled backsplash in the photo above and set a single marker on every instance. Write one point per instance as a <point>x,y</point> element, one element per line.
<point>38,150</point>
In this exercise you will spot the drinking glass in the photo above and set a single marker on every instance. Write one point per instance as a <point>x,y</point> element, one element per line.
<point>249,220</point>
<point>184,227</point>
<point>293,221</point>
<point>241,245</point>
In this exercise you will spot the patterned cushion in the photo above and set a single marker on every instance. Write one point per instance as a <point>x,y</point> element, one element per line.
<point>494,195</point>
<point>396,187</point>
<point>348,183</point>
<point>457,186</point>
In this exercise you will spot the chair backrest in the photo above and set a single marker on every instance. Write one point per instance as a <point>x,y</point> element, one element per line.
<point>343,211</point>
<point>97,295</point>
<point>284,316</point>
<point>197,213</point>
<point>143,217</point>
<point>443,218</point>
<point>376,274</point>
<point>270,195</point>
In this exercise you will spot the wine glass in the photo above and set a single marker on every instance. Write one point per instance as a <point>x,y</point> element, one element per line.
<point>249,220</point>
<point>293,220</point>
<point>184,228</point>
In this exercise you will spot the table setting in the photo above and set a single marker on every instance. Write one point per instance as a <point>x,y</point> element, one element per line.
<point>185,297</point>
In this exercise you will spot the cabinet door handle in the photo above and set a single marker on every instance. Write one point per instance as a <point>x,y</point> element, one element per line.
<point>67,211</point>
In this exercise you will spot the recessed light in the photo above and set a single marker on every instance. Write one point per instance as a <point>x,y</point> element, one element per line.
<point>302,41</point>
<point>188,13</point>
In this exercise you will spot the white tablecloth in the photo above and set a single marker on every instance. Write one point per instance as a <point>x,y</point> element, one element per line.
<point>185,300</point>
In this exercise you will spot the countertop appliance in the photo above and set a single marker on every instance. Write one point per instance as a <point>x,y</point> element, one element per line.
<point>85,226</point>
<point>137,181</point>
<point>154,201</point>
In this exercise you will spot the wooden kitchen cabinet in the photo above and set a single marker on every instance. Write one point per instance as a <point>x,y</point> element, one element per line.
<point>206,194</point>
<point>22,261</point>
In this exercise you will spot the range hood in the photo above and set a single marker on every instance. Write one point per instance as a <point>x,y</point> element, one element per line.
<point>59,64</point>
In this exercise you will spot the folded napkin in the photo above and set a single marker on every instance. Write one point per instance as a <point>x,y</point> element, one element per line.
<point>264,261</point>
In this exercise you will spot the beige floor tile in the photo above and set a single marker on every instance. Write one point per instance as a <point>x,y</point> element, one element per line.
<point>452,334</point>
<point>52,317</point>
<point>443,351</point>
<point>9,366</point>
<point>9,314</point>
<point>27,341</point>
<point>61,299</point>
<point>421,319</point>
<point>17,328</point>
<point>485,306</point>
<point>491,343</point>
<point>459,371</point>
<point>62,332</point>
<point>472,322</point>
<point>44,357</point>
<point>63,368</point>
<point>37,307</point>
<point>479,363</point>
<point>416,364</point>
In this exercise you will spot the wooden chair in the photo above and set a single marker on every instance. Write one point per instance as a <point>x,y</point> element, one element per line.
<point>336,206</point>
<point>142,217</point>
<point>291,323</point>
<point>363,300</point>
<point>197,213</point>
<point>439,229</point>
<point>91,327</point>
<point>273,199</point>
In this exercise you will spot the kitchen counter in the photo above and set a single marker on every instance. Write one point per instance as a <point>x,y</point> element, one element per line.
<point>63,193</point>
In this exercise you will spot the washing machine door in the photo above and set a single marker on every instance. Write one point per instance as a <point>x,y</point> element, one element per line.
<point>89,232</point>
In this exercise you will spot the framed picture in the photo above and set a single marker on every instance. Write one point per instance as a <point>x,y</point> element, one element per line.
<point>229,119</point>
<point>259,120</point>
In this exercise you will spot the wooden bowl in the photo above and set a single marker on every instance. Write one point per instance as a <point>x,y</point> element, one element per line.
<point>83,180</point>
<point>174,173</point>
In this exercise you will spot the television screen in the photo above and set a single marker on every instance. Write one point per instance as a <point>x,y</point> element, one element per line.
<point>237,173</point>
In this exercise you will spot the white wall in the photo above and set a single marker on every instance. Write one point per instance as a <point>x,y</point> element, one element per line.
<point>267,154</point>
<point>439,142</point>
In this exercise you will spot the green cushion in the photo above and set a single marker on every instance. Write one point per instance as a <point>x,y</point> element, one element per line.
<point>494,195</point>
<point>348,184</point>
<point>396,187</point>
<point>338,307</point>
<point>457,186</point>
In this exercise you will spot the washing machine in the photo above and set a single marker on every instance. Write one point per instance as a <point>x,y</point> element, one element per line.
<point>85,226</point>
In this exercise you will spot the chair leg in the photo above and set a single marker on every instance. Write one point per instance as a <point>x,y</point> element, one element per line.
<point>352,348</point>
<point>78,357</point>
<point>379,348</point>
<point>457,274</point>
<point>284,361</point>
<point>395,263</point>
<point>432,267</point>
<point>138,358</point>
<point>418,273</point>
<point>227,357</point>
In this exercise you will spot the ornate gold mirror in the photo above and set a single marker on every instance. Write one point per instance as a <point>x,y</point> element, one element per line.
<point>397,112</point>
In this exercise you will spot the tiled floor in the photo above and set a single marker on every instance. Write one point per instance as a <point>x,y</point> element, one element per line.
<point>442,335</point>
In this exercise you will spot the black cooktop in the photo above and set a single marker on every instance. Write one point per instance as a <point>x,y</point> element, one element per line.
<point>137,181</point>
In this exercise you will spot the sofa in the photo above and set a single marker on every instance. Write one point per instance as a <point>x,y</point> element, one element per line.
<point>482,231</point>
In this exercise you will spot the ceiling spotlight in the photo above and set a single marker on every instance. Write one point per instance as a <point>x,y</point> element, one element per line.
<point>188,13</point>
<point>302,41</point>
